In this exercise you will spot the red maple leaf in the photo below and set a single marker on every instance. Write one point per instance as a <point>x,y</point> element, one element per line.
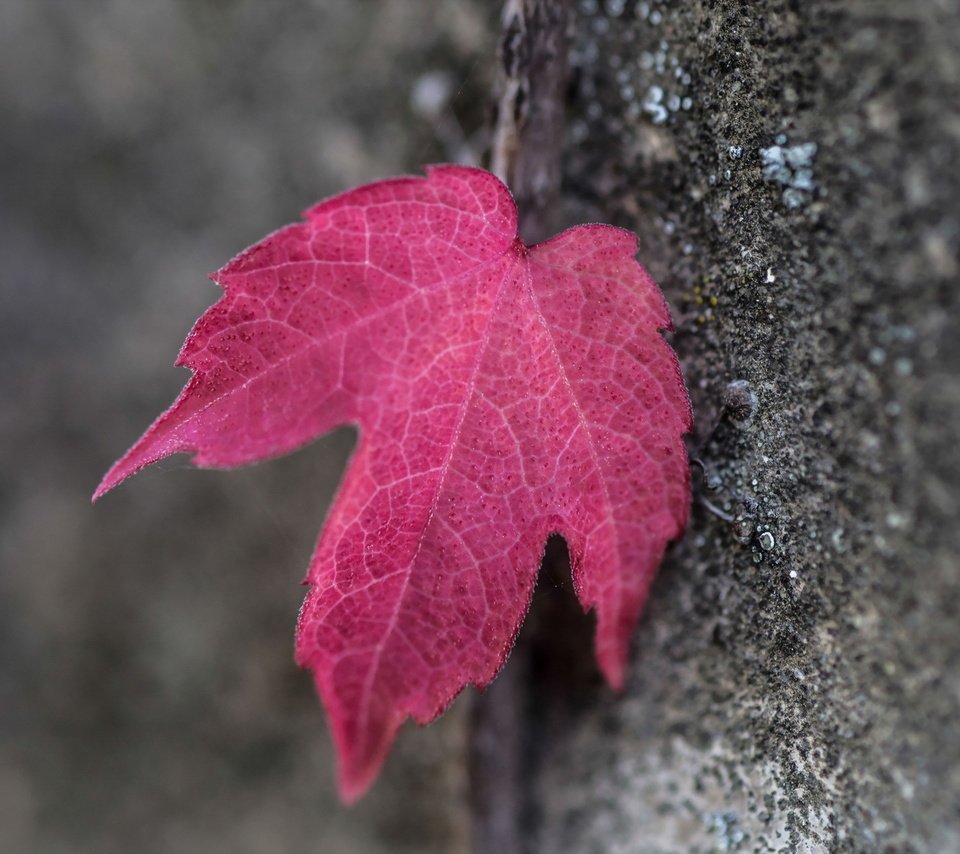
<point>503,392</point>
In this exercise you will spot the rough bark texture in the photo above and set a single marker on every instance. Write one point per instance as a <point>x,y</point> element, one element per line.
<point>796,680</point>
<point>529,125</point>
<point>795,688</point>
<point>527,152</point>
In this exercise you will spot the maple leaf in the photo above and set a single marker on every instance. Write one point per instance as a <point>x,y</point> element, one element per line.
<point>502,393</point>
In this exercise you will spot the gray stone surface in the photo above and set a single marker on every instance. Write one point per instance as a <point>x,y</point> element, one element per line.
<point>796,681</point>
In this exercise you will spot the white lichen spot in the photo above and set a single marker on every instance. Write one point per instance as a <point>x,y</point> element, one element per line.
<point>774,164</point>
<point>579,131</point>
<point>803,180</point>
<point>837,541</point>
<point>792,198</point>
<point>792,168</point>
<point>725,827</point>
<point>903,367</point>
<point>896,520</point>
<point>431,93</point>
<point>801,156</point>
<point>653,106</point>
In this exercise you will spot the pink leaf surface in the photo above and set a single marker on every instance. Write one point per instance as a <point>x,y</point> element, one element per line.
<point>502,393</point>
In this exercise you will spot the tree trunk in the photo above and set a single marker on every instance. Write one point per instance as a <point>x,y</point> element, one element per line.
<point>791,171</point>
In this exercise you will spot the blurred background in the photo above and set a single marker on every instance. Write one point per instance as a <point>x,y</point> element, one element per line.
<point>148,695</point>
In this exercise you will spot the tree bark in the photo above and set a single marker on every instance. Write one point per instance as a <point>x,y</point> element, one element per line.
<point>530,110</point>
<point>789,168</point>
<point>527,154</point>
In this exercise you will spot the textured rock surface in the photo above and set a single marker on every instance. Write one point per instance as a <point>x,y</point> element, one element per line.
<point>788,168</point>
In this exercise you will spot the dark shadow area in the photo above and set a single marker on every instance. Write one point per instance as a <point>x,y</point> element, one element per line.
<point>550,676</point>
